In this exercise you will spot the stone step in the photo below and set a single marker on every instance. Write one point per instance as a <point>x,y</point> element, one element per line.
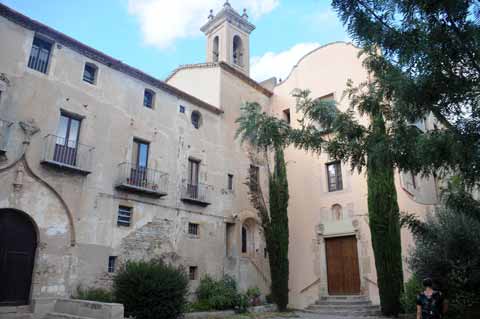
<point>346,312</point>
<point>345,297</point>
<point>12,315</point>
<point>349,307</point>
<point>16,312</point>
<point>58,315</point>
<point>344,303</point>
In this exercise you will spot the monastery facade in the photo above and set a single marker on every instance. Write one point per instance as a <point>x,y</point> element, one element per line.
<point>102,163</point>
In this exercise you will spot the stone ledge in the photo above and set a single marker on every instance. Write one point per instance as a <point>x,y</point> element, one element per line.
<point>223,314</point>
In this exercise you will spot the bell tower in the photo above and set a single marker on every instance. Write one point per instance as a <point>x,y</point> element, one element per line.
<point>228,38</point>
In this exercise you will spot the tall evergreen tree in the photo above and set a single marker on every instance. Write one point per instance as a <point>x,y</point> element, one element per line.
<point>425,55</point>
<point>273,212</point>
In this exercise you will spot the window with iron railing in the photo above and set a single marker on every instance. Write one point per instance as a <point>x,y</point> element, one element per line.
<point>40,55</point>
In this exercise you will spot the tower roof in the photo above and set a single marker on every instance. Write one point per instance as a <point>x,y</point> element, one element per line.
<point>228,14</point>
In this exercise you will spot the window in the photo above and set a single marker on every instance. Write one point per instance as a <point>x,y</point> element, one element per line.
<point>90,73</point>
<point>193,229</point>
<point>286,115</point>
<point>193,172</point>
<point>237,51</point>
<point>112,260</point>
<point>140,153</point>
<point>230,182</point>
<point>215,52</point>
<point>148,98</point>
<point>196,119</point>
<point>244,239</point>
<point>40,55</point>
<point>182,109</point>
<point>334,175</point>
<point>254,177</point>
<point>66,144</point>
<point>192,272</point>
<point>124,216</point>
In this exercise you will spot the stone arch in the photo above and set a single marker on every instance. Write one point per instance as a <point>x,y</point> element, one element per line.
<point>337,212</point>
<point>248,240</point>
<point>237,50</point>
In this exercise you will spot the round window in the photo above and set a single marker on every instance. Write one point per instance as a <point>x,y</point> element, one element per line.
<point>196,119</point>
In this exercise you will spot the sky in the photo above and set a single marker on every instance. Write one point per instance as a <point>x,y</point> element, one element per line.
<point>156,36</point>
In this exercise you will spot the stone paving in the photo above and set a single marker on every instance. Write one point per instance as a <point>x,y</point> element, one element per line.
<point>299,315</point>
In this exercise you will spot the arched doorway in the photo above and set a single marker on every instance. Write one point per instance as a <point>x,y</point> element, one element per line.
<point>18,241</point>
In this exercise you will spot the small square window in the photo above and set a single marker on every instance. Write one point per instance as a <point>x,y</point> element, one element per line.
<point>90,73</point>
<point>230,182</point>
<point>124,217</point>
<point>148,98</point>
<point>182,109</point>
<point>193,229</point>
<point>193,272</point>
<point>112,260</point>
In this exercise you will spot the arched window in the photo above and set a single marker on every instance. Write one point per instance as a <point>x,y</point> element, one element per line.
<point>237,50</point>
<point>244,239</point>
<point>337,212</point>
<point>196,119</point>
<point>216,52</point>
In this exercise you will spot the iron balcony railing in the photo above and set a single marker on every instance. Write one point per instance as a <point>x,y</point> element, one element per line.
<point>68,154</point>
<point>4,134</point>
<point>197,193</point>
<point>142,179</point>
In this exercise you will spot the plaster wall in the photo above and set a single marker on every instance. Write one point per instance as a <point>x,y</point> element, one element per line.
<point>76,214</point>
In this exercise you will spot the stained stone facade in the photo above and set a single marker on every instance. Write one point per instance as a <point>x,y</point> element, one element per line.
<point>102,163</point>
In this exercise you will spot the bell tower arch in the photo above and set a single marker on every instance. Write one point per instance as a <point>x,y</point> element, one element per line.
<point>228,38</point>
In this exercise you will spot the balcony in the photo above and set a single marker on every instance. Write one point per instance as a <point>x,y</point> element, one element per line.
<point>141,180</point>
<point>4,134</point>
<point>197,194</point>
<point>67,155</point>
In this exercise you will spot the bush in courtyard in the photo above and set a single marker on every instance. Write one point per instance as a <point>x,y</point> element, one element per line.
<point>93,294</point>
<point>254,294</point>
<point>447,248</point>
<point>217,294</point>
<point>409,296</point>
<point>151,289</point>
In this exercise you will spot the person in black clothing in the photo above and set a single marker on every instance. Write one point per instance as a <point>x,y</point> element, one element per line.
<point>430,303</point>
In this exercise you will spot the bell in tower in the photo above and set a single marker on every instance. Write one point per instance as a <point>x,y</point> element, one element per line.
<point>228,38</point>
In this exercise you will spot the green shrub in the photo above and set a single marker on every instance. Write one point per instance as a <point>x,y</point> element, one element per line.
<point>409,297</point>
<point>151,290</point>
<point>242,303</point>
<point>217,294</point>
<point>447,249</point>
<point>93,294</point>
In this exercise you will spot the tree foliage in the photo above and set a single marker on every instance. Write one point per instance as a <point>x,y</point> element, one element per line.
<point>425,58</point>
<point>364,147</point>
<point>448,247</point>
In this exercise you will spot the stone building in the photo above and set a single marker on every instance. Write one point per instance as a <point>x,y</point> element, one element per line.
<point>101,162</point>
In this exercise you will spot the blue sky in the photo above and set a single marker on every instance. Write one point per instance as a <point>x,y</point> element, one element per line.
<point>158,35</point>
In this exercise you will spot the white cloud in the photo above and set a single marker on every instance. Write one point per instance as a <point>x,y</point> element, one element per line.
<point>164,21</point>
<point>279,64</point>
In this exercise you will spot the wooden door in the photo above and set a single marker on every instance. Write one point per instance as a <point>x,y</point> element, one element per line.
<point>342,266</point>
<point>17,251</point>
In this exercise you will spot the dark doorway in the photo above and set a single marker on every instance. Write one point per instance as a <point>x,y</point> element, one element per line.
<point>342,266</point>
<point>18,242</point>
